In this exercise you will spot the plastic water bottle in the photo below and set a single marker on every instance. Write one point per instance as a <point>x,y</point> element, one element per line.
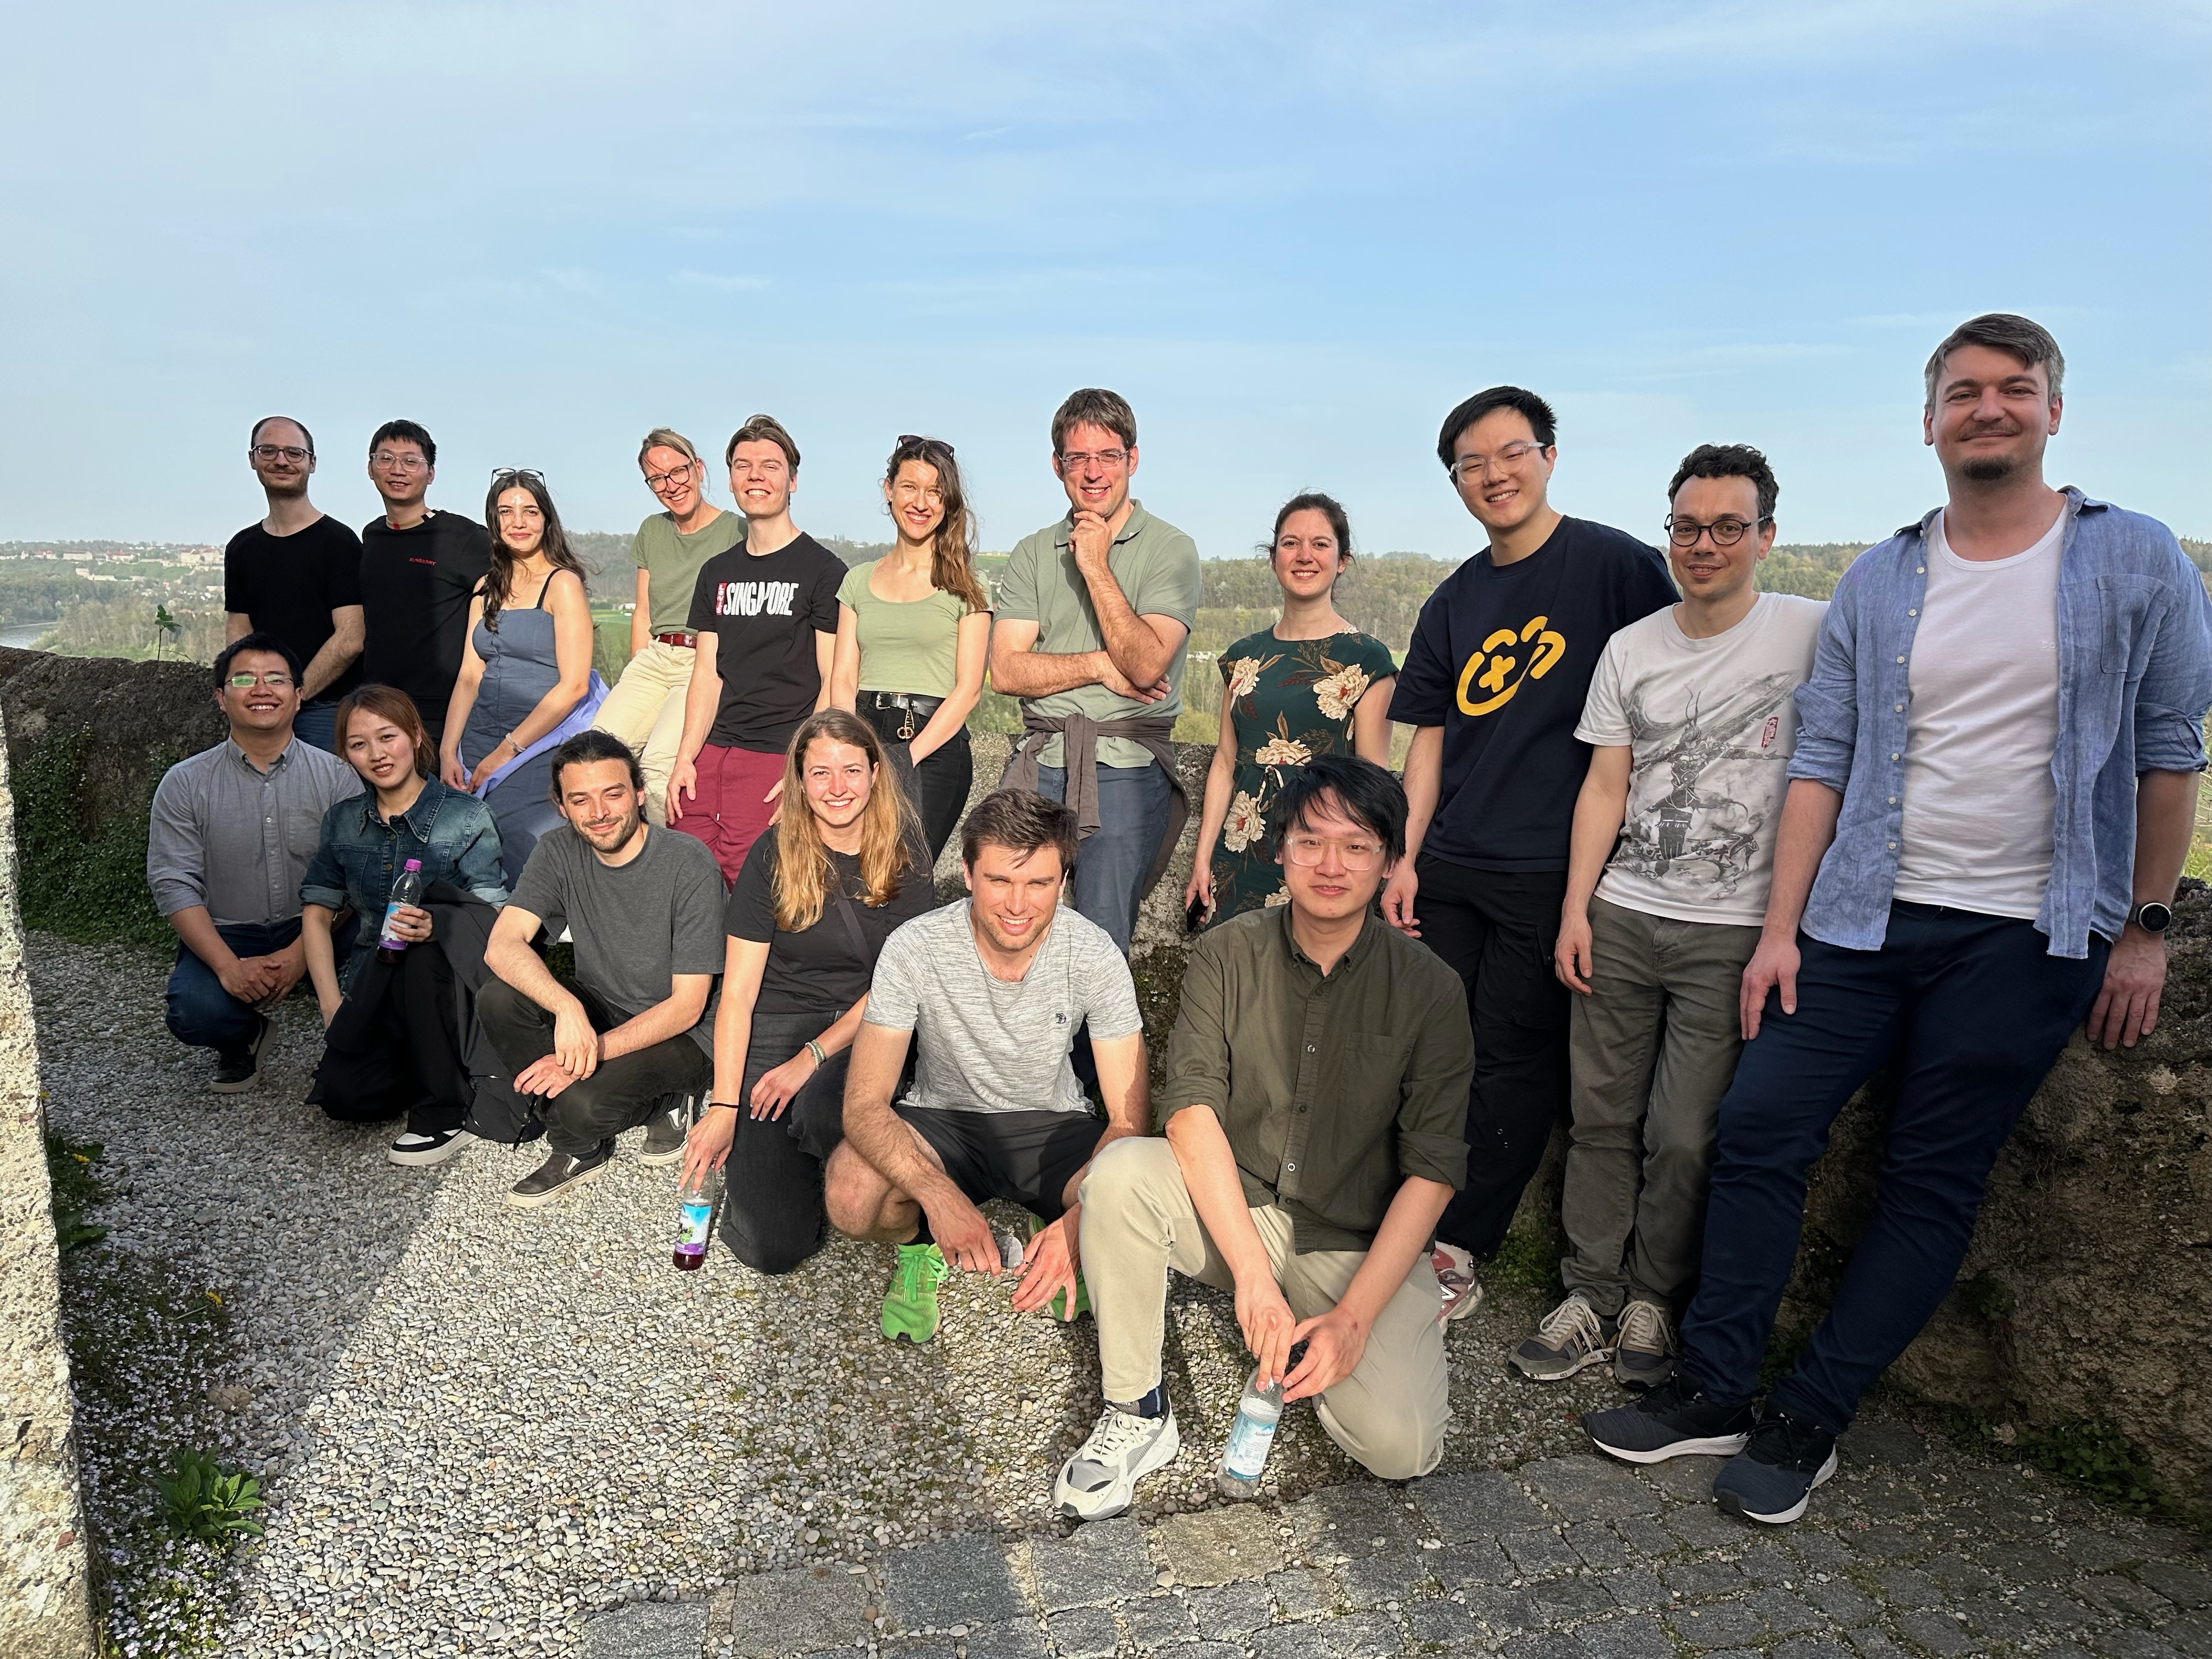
<point>407,890</point>
<point>695,1219</point>
<point>1244,1459</point>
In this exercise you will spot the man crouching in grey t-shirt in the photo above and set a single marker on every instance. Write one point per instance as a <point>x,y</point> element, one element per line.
<point>996,990</point>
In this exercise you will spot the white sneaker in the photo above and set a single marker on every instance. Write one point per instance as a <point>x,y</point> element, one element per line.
<point>413,1149</point>
<point>1101,1478</point>
<point>1455,1270</point>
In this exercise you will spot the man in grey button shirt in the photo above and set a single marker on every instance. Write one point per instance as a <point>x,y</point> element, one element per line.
<point>232,830</point>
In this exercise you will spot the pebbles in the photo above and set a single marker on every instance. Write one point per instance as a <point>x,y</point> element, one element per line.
<point>476,1427</point>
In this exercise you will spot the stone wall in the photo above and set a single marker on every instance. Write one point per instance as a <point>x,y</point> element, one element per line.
<point>2086,1298</point>
<point>45,1585</point>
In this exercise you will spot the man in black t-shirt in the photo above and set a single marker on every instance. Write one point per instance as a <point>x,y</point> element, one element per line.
<point>296,574</point>
<point>1493,684</point>
<point>418,567</point>
<point>765,616</point>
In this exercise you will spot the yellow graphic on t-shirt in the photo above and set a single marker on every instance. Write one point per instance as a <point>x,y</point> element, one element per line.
<point>1499,669</point>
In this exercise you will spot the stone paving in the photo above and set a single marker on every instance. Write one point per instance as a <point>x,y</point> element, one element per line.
<point>1909,1553</point>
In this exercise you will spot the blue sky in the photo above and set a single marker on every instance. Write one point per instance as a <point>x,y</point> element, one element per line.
<point>1292,235</point>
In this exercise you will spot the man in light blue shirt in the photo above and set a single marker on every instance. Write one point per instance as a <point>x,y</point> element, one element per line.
<point>1992,793</point>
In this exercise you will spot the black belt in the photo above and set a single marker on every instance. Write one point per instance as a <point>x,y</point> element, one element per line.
<point>918,709</point>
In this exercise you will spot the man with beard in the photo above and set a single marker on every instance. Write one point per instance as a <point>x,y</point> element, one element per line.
<point>1991,795</point>
<point>602,1054</point>
<point>296,575</point>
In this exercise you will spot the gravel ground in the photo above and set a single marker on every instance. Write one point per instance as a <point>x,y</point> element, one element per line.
<point>475,1427</point>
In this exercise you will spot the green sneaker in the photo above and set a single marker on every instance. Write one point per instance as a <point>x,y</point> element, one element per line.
<point>910,1303</point>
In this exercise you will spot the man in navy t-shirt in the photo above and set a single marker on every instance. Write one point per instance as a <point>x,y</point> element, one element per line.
<point>1493,683</point>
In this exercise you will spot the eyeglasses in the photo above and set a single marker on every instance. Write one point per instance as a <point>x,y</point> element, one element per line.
<point>1468,467</point>
<point>675,478</point>
<point>1725,533</point>
<point>398,463</point>
<point>1107,460</point>
<point>242,681</point>
<point>915,440</point>
<point>291,453</point>
<point>1306,851</point>
<point>501,475</point>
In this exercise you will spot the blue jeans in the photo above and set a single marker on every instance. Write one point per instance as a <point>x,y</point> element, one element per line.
<point>201,1012</point>
<point>1110,867</point>
<point>316,724</point>
<point>1975,1011</point>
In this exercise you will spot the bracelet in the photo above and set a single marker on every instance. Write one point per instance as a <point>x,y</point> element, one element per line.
<point>821,1057</point>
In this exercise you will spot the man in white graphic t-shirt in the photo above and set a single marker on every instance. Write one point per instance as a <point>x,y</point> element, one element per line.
<point>1691,726</point>
<point>1991,795</point>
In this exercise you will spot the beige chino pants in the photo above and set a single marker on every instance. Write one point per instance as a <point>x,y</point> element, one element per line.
<point>1138,1222</point>
<point>646,711</point>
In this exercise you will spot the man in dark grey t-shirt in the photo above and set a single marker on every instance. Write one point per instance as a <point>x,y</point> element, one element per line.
<point>993,991</point>
<point>644,909</point>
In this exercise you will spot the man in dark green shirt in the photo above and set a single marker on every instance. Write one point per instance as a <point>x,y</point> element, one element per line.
<point>1315,1106</point>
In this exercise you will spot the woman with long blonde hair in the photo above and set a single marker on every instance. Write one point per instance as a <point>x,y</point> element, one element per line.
<point>809,914</point>
<point>913,630</point>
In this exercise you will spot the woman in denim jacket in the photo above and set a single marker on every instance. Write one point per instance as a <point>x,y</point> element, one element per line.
<point>394,1042</point>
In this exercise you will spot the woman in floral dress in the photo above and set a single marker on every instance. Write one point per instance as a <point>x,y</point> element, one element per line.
<point>1312,684</point>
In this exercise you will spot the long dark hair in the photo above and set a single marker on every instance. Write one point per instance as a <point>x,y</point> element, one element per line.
<point>952,548</point>
<point>499,580</point>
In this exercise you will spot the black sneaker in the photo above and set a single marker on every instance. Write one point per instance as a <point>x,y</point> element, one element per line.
<point>236,1073</point>
<point>665,1133</point>
<point>556,1176</point>
<point>434,1148</point>
<point>1670,1421</point>
<point>1772,1480</point>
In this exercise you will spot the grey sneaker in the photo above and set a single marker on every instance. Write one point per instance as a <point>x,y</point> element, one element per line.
<point>1099,1480</point>
<point>665,1133</point>
<point>556,1176</point>
<point>1644,1356</point>
<point>1570,1338</point>
<point>234,1073</point>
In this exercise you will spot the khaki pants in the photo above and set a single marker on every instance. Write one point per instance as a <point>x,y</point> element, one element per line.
<point>1138,1222</point>
<point>646,711</point>
<point>1650,1051</point>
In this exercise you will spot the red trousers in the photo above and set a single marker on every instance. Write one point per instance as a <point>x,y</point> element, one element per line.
<point>729,813</point>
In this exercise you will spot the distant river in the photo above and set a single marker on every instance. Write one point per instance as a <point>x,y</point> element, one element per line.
<point>23,635</point>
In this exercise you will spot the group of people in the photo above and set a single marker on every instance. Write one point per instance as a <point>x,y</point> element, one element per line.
<point>1678,860</point>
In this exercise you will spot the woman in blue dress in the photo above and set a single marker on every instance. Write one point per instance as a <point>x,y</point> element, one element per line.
<point>526,682</point>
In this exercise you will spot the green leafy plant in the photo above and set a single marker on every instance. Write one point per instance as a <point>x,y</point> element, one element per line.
<point>77,1187</point>
<point>166,628</point>
<point>204,1502</point>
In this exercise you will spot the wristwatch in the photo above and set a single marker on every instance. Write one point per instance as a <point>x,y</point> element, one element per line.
<point>2152,916</point>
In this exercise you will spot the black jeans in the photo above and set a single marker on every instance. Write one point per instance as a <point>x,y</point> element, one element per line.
<point>772,1214</point>
<point>1976,1010</point>
<point>939,786</point>
<point>395,1046</point>
<point>1496,929</point>
<point>620,1094</point>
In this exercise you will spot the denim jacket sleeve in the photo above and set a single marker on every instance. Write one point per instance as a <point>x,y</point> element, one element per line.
<point>325,883</point>
<point>2177,683</point>
<point>1828,700</point>
<point>478,859</point>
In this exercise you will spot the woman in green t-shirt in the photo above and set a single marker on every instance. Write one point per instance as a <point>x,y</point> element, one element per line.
<point>1312,684</point>
<point>914,629</point>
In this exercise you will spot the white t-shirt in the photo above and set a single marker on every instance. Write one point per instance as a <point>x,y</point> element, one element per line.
<point>1710,725</point>
<point>1980,729</point>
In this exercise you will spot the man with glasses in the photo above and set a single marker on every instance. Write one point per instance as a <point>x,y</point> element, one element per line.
<point>1093,628</point>
<point>763,619</point>
<point>296,575</point>
<point>1493,684</point>
<point>1691,725</point>
<point>1994,788</point>
<point>646,707</point>
<point>1317,1084</point>
<point>418,567</point>
<point>227,848</point>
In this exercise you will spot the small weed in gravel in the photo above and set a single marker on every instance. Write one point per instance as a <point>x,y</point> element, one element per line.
<point>205,1503</point>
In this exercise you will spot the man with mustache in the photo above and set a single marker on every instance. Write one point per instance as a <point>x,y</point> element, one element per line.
<point>601,1054</point>
<point>1991,796</point>
<point>296,574</point>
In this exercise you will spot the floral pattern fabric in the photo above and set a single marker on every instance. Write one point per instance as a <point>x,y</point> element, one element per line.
<point>1288,701</point>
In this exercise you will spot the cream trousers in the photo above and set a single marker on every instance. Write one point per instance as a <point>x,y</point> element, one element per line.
<point>646,711</point>
<point>1138,1222</point>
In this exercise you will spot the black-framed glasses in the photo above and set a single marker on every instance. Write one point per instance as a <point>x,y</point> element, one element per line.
<point>292,452</point>
<point>914,443</point>
<point>501,475</point>
<point>676,476</point>
<point>1725,531</point>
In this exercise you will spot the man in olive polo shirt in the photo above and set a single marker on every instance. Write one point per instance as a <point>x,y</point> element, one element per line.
<point>1093,625</point>
<point>1315,1098</point>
